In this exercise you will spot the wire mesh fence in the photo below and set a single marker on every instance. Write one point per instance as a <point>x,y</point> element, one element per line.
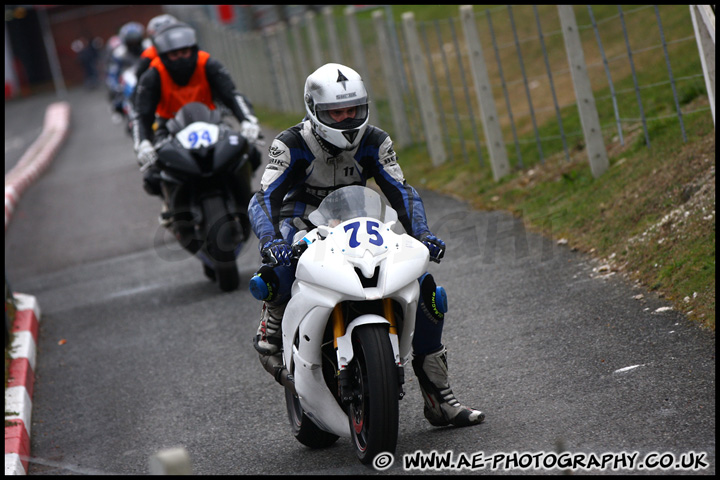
<point>642,63</point>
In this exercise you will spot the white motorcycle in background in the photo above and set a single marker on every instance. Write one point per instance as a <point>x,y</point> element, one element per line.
<point>348,328</point>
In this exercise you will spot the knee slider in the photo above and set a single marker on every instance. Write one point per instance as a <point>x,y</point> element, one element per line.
<point>272,284</point>
<point>259,287</point>
<point>441,300</point>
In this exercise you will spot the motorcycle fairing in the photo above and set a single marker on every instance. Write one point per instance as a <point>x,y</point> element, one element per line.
<point>176,159</point>
<point>328,273</point>
<point>223,147</point>
<point>230,147</point>
<point>349,246</point>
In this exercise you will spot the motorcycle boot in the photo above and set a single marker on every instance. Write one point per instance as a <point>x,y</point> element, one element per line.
<point>166,216</point>
<point>441,406</point>
<point>268,339</point>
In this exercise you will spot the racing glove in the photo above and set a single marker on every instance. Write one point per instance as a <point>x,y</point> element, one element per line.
<point>434,244</point>
<point>250,130</point>
<point>146,153</point>
<point>276,252</point>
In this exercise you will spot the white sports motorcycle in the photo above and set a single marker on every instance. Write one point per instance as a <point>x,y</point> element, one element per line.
<point>348,328</point>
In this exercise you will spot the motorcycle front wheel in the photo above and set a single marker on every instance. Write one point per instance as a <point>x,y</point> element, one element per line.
<point>303,429</point>
<point>220,243</point>
<point>373,413</point>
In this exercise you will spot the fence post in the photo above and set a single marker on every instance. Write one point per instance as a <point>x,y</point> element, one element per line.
<point>424,95</point>
<point>300,56</point>
<point>436,89</point>
<point>401,133</point>
<point>703,18</point>
<point>356,47</point>
<point>242,59</point>
<point>255,92</point>
<point>273,75</point>
<point>332,35</point>
<point>315,49</point>
<point>463,77</point>
<point>503,84</point>
<point>552,85</point>
<point>293,84</point>
<point>234,60</point>
<point>483,91</point>
<point>283,100</point>
<point>595,145</point>
<point>265,72</point>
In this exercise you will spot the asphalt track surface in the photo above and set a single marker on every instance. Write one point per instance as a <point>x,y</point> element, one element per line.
<point>138,351</point>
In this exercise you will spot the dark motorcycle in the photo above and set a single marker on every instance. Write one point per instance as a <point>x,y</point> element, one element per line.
<point>205,171</point>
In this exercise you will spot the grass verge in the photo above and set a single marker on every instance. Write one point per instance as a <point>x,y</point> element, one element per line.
<point>650,217</point>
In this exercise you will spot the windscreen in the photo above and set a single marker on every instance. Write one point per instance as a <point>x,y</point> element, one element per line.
<point>351,202</point>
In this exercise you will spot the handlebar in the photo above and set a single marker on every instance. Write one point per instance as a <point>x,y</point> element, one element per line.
<point>298,249</point>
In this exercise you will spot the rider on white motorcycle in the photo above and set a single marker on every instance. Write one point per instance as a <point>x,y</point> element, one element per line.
<point>333,147</point>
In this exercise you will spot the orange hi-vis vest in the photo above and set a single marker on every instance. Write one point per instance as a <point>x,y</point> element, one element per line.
<point>150,52</point>
<point>174,96</point>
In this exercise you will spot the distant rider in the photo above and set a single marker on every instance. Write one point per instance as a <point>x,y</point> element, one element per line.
<point>333,147</point>
<point>150,53</point>
<point>181,74</point>
<point>124,56</point>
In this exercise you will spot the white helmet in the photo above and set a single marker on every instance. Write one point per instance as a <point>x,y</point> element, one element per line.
<point>337,86</point>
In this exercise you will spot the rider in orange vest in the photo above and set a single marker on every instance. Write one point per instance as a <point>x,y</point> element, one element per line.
<point>179,75</point>
<point>150,53</point>
<point>174,96</point>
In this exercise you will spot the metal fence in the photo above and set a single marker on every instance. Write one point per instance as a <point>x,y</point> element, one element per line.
<point>495,86</point>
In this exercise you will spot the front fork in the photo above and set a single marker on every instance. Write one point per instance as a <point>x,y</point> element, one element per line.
<point>346,392</point>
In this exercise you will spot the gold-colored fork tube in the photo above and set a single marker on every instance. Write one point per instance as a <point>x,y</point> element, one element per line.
<point>338,324</point>
<point>389,314</point>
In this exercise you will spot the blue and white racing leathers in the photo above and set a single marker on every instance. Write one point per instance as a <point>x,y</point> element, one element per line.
<point>302,172</point>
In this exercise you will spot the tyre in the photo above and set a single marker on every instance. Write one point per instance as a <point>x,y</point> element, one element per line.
<point>303,429</point>
<point>228,277</point>
<point>373,413</point>
<point>220,242</point>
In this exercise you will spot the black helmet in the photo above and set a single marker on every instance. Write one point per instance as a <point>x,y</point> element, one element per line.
<point>131,34</point>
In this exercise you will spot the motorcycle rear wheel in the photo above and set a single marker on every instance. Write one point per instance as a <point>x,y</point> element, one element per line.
<point>220,243</point>
<point>303,429</point>
<point>374,412</point>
